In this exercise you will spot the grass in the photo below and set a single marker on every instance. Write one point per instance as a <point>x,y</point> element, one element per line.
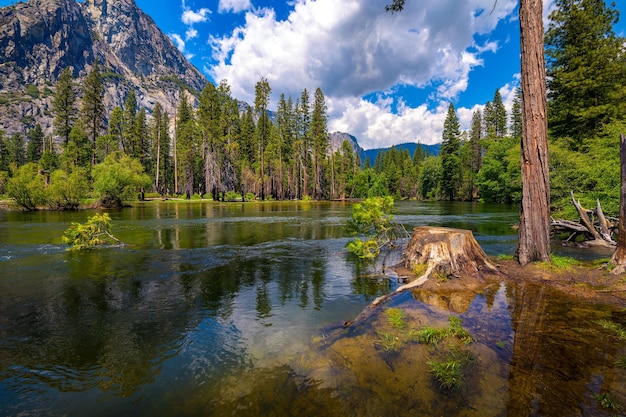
<point>395,317</point>
<point>449,372</point>
<point>621,362</point>
<point>614,328</point>
<point>501,344</point>
<point>606,400</point>
<point>433,335</point>
<point>503,257</point>
<point>559,263</point>
<point>388,341</point>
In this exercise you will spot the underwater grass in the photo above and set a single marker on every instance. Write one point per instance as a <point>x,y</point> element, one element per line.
<point>614,328</point>
<point>606,400</point>
<point>449,372</point>
<point>388,341</point>
<point>395,317</point>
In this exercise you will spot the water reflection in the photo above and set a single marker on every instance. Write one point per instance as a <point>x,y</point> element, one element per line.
<point>538,353</point>
<point>219,309</point>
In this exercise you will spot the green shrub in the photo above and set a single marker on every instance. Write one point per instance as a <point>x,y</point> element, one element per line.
<point>27,187</point>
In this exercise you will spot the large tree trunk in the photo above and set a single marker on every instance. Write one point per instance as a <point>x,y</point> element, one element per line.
<point>534,230</point>
<point>619,257</point>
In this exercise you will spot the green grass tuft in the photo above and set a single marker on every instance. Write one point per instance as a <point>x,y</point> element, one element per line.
<point>395,317</point>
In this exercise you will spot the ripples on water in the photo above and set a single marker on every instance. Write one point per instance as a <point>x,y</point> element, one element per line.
<point>219,309</point>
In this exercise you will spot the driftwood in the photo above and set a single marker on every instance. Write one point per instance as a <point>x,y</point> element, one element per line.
<point>593,226</point>
<point>439,254</point>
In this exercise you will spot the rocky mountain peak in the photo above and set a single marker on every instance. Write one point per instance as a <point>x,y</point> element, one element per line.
<point>39,38</point>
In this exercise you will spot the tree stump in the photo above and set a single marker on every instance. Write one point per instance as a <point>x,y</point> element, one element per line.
<point>444,253</point>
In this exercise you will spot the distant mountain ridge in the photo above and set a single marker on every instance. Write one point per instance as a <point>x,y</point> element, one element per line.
<point>410,146</point>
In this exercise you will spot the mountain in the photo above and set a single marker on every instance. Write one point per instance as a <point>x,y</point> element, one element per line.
<point>39,38</point>
<point>371,154</point>
<point>337,138</point>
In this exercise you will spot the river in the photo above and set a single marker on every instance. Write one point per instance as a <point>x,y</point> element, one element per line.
<point>216,309</point>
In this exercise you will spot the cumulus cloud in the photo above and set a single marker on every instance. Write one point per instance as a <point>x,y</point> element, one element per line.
<point>191,17</point>
<point>191,34</point>
<point>235,6</point>
<point>352,48</point>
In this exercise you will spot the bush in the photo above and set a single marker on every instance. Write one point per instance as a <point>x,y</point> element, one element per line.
<point>66,190</point>
<point>27,187</point>
<point>118,178</point>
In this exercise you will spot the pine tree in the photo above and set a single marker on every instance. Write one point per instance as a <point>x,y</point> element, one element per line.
<point>303,142</point>
<point>261,103</point>
<point>495,117</point>
<point>475,151</point>
<point>321,142</point>
<point>93,107</point>
<point>34,149</point>
<point>63,104</point>
<point>516,115</point>
<point>586,69</point>
<point>128,121</point>
<point>209,121</point>
<point>450,158</point>
<point>116,123</point>
<point>185,145</point>
<point>16,151</point>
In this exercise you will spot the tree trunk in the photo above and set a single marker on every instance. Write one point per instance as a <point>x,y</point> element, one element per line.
<point>619,257</point>
<point>534,230</point>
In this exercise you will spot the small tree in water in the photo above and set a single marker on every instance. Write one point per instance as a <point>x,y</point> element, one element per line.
<point>373,219</point>
<point>93,233</point>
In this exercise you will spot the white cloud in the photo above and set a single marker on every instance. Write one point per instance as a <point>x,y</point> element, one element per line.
<point>190,17</point>
<point>352,48</point>
<point>180,42</point>
<point>235,6</point>
<point>191,34</point>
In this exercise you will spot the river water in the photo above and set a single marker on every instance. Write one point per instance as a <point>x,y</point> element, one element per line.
<point>237,309</point>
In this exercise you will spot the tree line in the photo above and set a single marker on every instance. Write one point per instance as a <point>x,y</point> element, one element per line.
<point>219,147</point>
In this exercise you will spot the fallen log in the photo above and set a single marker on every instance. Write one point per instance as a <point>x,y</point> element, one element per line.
<point>599,235</point>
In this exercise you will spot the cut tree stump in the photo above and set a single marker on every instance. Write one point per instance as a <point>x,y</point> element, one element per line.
<point>446,253</point>
<point>441,255</point>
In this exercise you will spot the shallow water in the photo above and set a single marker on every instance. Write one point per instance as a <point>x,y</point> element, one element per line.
<point>236,309</point>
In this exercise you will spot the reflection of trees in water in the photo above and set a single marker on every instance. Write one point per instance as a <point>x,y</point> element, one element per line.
<point>561,358</point>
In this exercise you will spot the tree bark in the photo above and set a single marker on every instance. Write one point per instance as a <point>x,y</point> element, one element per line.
<point>619,257</point>
<point>534,230</point>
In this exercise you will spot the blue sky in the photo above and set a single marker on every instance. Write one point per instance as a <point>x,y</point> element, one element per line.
<point>387,78</point>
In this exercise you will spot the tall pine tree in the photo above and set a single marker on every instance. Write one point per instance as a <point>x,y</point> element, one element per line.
<point>63,105</point>
<point>93,107</point>
<point>450,159</point>
<point>586,69</point>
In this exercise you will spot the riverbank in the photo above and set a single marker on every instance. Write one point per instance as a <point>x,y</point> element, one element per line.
<point>586,280</point>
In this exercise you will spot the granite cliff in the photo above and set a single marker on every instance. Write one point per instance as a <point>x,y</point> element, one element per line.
<point>39,38</point>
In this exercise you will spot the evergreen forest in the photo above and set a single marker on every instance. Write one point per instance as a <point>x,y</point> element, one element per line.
<point>219,148</point>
